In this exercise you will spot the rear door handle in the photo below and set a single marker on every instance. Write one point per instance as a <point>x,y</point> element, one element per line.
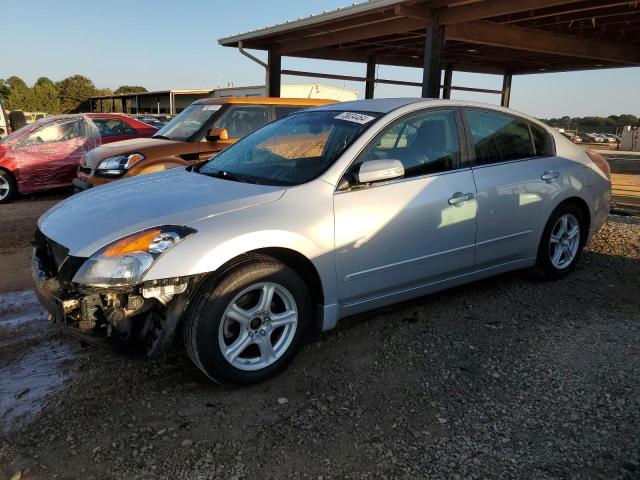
<point>548,176</point>
<point>460,197</point>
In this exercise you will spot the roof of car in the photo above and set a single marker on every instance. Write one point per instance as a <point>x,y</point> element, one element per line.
<point>386,105</point>
<point>310,102</point>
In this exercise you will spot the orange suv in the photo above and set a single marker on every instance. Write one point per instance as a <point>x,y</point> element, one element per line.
<point>201,130</point>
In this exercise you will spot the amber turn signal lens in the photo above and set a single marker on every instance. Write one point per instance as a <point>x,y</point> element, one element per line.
<point>133,159</point>
<point>136,243</point>
<point>600,162</point>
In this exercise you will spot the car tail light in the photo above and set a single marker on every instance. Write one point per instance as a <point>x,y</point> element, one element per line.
<point>600,162</point>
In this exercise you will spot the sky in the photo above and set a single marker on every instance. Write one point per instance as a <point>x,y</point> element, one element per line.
<point>163,44</point>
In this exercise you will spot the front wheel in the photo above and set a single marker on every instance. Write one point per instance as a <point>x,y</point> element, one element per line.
<point>561,243</point>
<point>8,187</point>
<point>249,325</point>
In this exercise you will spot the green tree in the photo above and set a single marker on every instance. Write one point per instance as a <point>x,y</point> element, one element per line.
<point>19,93</point>
<point>4,90</point>
<point>130,89</point>
<point>45,97</point>
<point>75,92</point>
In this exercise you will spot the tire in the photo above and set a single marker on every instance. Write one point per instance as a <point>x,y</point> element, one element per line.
<point>8,187</point>
<point>212,336</point>
<point>549,266</point>
<point>17,120</point>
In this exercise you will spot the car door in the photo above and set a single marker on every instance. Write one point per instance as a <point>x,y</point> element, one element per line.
<point>49,156</point>
<point>395,235</point>
<point>240,121</point>
<point>517,177</point>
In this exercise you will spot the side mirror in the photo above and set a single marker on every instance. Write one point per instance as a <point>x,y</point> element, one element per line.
<point>379,170</point>
<point>216,134</point>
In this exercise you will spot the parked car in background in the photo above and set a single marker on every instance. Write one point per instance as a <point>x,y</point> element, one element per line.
<point>46,154</point>
<point>4,121</point>
<point>32,117</point>
<point>203,129</point>
<point>157,122</point>
<point>573,137</point>
<point>322,214</point>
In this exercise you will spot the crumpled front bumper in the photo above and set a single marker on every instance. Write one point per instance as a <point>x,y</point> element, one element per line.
<point>52,271</point>
<point>104,316</point>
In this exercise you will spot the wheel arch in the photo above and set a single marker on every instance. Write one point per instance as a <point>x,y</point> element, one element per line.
<point>580,203</point>
<point>582,206</point>
<point>293,259</point>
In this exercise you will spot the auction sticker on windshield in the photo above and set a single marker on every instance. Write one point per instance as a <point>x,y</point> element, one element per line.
<point>355,117</point>
<point>212,108</point>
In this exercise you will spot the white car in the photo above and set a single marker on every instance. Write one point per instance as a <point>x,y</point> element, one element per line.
<point>4,123</point>
<point>319,215</point>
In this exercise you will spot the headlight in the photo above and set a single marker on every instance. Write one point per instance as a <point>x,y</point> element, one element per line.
<point>126,261</point>
<point>116,166</point>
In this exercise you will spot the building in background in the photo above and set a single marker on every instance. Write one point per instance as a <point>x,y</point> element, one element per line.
<point>174,101</point>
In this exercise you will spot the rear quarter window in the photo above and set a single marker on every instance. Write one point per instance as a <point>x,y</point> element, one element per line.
<point>542,141</point>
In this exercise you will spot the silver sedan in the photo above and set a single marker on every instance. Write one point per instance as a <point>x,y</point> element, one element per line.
<point>319,215</point>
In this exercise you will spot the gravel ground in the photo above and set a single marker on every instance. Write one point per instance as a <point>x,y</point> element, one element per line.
<point>503,378</point>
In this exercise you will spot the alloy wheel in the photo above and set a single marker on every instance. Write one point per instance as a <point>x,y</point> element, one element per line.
<point>258,326</point>
<point>5,188</point>
<point>564,241</point>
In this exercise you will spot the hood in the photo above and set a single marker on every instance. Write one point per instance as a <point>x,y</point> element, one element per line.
<point>90,220</point>
<point>149,147</point>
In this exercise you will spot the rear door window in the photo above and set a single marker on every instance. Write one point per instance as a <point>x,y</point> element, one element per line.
<point>241,120</point>
<point>109,127</point>
<point>499,138</point>
<point>284,110</point>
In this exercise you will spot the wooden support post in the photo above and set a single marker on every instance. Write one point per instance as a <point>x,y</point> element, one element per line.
<point>274,74</point>
<point>448,77</point>
<point>432,66</point>
<point>506,90</point>
<point>370,82</point>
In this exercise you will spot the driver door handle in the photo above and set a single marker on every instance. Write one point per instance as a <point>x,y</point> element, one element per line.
<point>548,176</point>
<point>460,197</point>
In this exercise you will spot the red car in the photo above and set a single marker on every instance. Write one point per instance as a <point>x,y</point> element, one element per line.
<point>46,154</point>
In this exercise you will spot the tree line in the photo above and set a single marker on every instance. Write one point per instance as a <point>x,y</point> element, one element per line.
<point>577,123</point>
<point>70,95</point>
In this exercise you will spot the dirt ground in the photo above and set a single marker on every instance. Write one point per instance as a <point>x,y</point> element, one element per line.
<point>502,378</point>
<point>17,225</point>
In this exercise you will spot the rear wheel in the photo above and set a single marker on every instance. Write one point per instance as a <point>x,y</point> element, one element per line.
<point>8,187</point>
<point>561,243</point>
<point>249,325</point>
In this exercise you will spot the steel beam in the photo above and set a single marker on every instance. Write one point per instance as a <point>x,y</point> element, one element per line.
<point>359,33</point>
<point>446,87</point>
<point>528,39</point>
<point>371,77</point>
<point>493,8</point>
<point>274,74</point>
<point>432,65</point>
<point>506,90</point>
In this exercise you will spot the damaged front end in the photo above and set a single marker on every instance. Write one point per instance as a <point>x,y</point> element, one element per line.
<point>143,316</point>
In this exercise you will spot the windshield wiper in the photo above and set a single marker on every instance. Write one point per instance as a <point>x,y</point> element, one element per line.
<point>162,137</point>
<point>226,175</point>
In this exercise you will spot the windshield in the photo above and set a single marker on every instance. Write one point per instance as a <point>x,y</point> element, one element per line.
<point>292,150</point>
<point>188,123</point>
